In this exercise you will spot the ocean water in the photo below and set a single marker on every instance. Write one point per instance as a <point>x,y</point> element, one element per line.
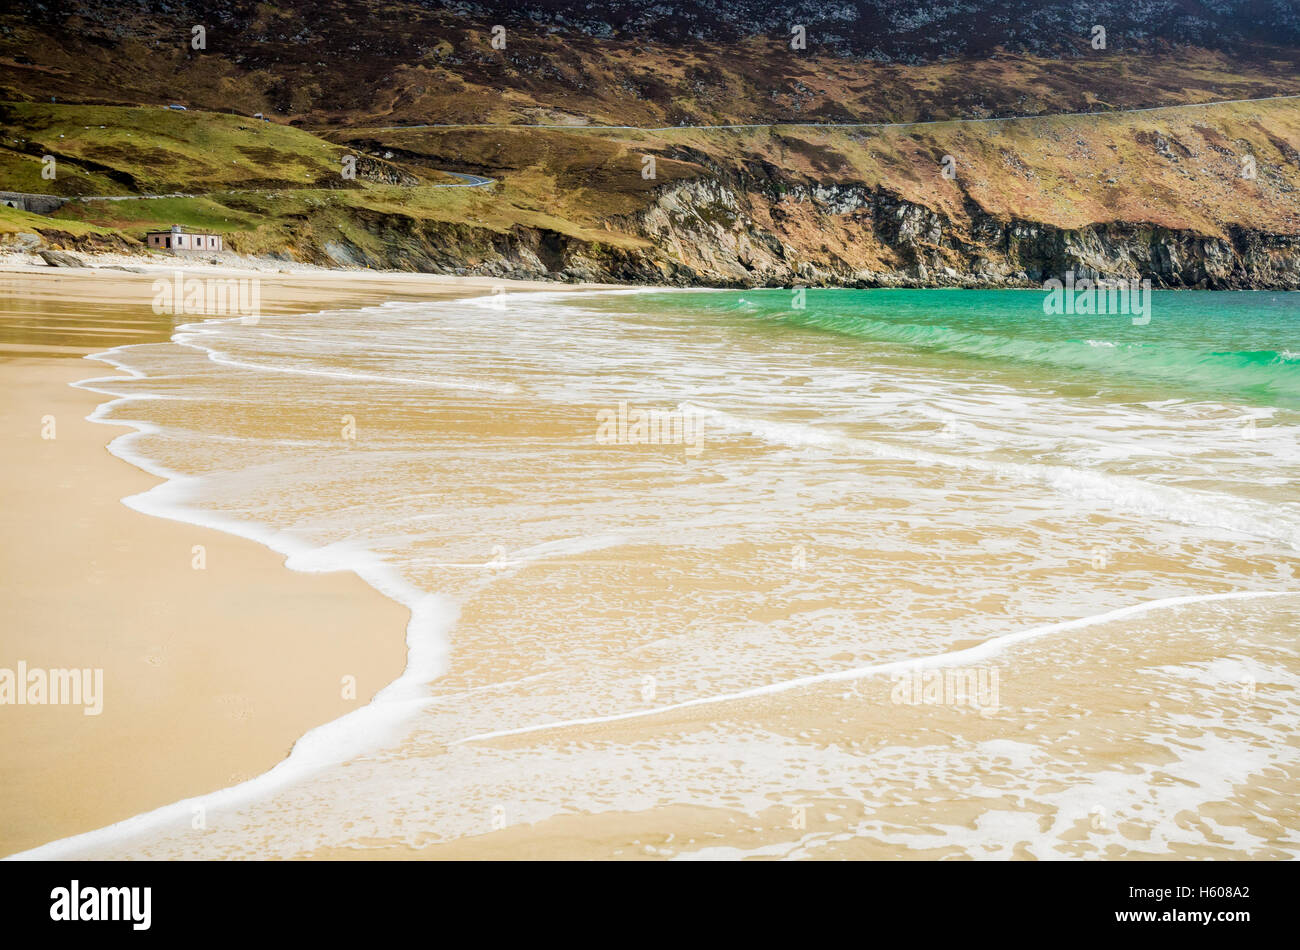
<point>709,633</point>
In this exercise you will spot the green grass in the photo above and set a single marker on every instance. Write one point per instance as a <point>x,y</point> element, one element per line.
<point>155,150</point>
<point>137,216</point>
<point>20,172</point>
<point>13,221</point>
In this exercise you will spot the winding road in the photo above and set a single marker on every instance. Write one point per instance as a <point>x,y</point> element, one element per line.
<point>832,125</point>
<point>827,125</point>
<point>466,181</point>
<point>480,181</point>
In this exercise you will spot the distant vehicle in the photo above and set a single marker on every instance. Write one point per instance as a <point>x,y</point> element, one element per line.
<point>177,108</point>
<point>258,115</point>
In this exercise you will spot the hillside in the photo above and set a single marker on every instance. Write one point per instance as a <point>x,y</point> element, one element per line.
<point>1187,194</point>
<point>1158,193</point>
<point>349,62</point>
<point>125,151</point>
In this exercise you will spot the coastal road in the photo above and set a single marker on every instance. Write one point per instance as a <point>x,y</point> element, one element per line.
<point>819,125</point>
<point>479,181</point>
<point>466,181</point>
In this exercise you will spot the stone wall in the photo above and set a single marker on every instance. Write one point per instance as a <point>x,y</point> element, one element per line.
<point>37,204</point>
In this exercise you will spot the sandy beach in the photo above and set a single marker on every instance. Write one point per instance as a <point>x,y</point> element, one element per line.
<point>703,645</point>
<point>210,672</point>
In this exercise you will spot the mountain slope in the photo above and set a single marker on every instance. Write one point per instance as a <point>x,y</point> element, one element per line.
<point>1202,195</point>
<point>345,62</point>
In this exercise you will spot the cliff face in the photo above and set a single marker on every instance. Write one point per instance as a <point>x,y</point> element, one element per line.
<point>886,240</point>
<point>846,159</point>
<point>707,233</point>
<point>715,232</point>
<point>1197,197</point>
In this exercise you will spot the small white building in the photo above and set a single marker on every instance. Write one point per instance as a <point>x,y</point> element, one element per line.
<point>178,239</point>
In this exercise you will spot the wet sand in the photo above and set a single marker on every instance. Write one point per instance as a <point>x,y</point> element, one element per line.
<point>211,672</point>
<point>1070,705</point>
<point>648,652</point>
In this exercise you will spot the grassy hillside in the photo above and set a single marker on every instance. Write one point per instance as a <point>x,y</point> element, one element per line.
<point>414,90</point>
<point>1176,167</point>
<point>114,150</point>
<point>738,205</point>
<point>13,221</point>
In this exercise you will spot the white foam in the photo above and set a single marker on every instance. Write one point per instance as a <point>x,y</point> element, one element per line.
<point>1123,492</point>
<point>983,651</point>
<point>446,382</point>
<point>337,741</point>
<point>432,615</point>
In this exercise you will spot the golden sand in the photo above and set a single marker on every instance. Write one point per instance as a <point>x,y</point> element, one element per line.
<point>1152,733</point>
<point>210,674</point>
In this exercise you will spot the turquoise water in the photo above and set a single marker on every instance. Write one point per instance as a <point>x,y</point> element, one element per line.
<point>1236,345</point>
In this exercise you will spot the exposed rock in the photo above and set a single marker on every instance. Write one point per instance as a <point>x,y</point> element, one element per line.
<point>61,259</point>
<point>24,240</point>
<point>711,232</point>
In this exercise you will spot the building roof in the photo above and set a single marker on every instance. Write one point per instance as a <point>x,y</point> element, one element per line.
<point>179,230</point>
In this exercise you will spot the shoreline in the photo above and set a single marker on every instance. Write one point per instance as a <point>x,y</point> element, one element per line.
<point>215,678</point>
<point>1039,717</point>
<point>144,265</point>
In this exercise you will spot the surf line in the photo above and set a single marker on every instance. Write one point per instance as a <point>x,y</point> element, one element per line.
<point>969,655</point>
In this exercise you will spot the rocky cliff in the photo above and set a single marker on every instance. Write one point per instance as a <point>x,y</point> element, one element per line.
<point>706,235</point>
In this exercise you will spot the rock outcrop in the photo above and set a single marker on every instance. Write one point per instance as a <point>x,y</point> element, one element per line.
<point>61,259</point>
<point>707,232</point>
